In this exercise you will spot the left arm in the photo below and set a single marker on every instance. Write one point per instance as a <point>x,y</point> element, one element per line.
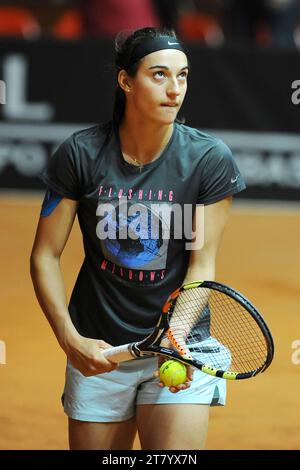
<point>202,262</point>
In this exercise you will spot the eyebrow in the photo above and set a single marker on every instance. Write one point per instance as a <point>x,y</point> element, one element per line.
<point>165,67</point>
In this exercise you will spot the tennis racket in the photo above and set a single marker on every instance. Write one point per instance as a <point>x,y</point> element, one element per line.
<point>209,326</point>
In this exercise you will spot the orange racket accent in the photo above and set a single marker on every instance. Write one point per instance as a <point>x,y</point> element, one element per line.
<point>169,302</point>
<point>175,343</point>
<point>175,293</point>
<point>166,307</point>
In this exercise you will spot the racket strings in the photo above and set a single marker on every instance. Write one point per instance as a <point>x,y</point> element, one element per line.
<point>237,330</point>
<point>182,324</point>
<point>218,331</point>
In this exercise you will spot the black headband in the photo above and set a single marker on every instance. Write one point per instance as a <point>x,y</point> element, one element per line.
<point>152,45</point>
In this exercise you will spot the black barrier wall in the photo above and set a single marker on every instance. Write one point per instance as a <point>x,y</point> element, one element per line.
<point>249,98</point>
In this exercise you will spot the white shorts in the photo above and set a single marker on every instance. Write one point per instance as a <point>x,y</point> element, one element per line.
<point>113,396</point>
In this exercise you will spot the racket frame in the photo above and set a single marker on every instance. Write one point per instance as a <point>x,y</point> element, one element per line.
<point>150,345</point>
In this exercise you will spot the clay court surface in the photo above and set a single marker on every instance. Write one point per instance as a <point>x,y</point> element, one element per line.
<point>259,256</point>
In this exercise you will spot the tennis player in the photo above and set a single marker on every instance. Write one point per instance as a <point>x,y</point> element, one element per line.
<point>128,181</point>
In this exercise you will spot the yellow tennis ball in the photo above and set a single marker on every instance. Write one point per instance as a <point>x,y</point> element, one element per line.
<point>172,373</point>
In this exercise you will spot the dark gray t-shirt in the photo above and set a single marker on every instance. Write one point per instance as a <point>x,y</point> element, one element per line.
<point>130,220</point>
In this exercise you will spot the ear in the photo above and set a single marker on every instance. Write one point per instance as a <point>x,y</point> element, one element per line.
<point>124,81</point>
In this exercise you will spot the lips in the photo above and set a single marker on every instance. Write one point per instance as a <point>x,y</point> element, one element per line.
<point>170,105</point>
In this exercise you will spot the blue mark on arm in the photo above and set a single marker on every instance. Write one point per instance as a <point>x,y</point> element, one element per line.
<point>51,200</point>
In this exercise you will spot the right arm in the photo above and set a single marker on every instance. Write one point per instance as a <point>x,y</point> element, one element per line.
<point>51,237</point>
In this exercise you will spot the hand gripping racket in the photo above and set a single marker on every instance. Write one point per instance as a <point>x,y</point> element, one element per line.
<point>211,327</point>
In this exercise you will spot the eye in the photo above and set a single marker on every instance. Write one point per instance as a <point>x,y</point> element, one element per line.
<point>183,75</point>
<point>159,74</point>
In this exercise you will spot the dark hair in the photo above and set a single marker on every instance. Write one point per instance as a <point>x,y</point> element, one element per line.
<point>125,43</point>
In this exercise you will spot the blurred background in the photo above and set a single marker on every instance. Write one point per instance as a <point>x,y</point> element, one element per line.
<point>56,76</point>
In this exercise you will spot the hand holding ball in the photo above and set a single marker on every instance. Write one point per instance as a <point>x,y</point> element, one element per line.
<point>172,373</point>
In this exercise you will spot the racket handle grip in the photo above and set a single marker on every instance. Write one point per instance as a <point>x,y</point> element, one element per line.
<point>119,353</point>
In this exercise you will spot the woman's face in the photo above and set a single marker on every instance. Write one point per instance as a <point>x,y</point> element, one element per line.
<point>158,89</point>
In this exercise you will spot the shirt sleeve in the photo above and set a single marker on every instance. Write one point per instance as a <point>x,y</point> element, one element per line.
<point>62,173</point>
<point>220,176</point>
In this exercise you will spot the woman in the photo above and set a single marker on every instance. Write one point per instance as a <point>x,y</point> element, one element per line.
<point>141,162</point>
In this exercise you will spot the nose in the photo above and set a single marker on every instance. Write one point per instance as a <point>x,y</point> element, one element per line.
<point>173,88</point>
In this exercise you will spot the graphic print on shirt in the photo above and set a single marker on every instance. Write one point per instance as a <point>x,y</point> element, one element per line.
<point>134,233</point>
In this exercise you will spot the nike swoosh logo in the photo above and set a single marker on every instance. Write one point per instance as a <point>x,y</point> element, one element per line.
<point>233,180</point>
<point>172,43</point>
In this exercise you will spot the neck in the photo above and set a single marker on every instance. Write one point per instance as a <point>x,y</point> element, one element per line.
<point>143,142</point>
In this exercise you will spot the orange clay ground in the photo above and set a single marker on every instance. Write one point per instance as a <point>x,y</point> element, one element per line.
<point>259,256</point>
